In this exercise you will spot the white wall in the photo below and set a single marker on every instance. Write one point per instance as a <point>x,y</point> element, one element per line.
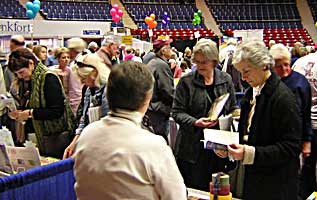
<point>48,29</point>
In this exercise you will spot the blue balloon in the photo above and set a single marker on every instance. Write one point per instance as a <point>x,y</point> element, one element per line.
<point>165,13</point>
<point>30,14</point>
<point>29,5</point>
<point>37,2</point>
<point>35,8</point>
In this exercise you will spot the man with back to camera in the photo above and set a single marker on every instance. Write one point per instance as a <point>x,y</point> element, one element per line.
<point>163,92</point>
<point>115,158</point>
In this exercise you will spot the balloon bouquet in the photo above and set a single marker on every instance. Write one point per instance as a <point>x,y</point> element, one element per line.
<point>166,19</point>
<point>33,8</point>
<point>150,21</point>
<point>116,13</point>
<point>197,18</point>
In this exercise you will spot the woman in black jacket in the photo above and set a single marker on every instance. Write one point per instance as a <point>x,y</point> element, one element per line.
<point>270,124</point>
<point>194,96</point>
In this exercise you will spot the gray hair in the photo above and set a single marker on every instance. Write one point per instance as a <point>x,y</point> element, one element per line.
<point>208,48</point>
<point>255,52</point>
<point>279,51</point>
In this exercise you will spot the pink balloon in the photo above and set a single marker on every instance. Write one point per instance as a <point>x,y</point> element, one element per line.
<point>120,13</point>
<point>113,12</point>
<point>115,6</point>
<point>116,18</point>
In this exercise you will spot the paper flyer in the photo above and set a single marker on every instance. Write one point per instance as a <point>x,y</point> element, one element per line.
<point>220,137</point>
<point>217,106</point>
<point>23,158</point>
<point>8,102</point>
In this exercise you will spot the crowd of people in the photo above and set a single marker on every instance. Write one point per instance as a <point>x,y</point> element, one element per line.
<point>109,108</point>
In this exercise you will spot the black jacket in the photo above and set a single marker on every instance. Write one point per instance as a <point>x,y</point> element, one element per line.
<point>163,91</point>
<point>275,133</point>
<point>190,104</point>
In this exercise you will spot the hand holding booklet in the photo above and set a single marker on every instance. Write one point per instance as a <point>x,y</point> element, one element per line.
<point>217,106</point>
<point>213,137</point>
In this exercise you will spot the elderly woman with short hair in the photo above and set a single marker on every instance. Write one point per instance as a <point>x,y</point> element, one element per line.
<point>270,118</point>
<point>194,96</point>
<point>94,74</point>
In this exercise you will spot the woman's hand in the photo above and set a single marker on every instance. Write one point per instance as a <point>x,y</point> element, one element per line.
<point>306,148</point>
<point>70,149</point>
<point>205,122</point>
<point>19,115</point>
<point>236,151</point>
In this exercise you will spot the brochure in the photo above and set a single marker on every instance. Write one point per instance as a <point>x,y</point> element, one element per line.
<point>6,137</point>
<point>217,106</point>
<point>23,158</point>
<point>219,137</point>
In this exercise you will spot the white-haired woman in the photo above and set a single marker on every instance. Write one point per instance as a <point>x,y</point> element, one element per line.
<point>301,89</point>
<point>94,74</point>
<point>270,118</point>
<point>194,96</point>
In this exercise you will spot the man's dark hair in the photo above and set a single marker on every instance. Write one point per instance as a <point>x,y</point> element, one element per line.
<point>128,85</point>
<point>19,58</point>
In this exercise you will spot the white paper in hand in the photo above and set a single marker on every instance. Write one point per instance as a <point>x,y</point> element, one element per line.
<point>221,137</point>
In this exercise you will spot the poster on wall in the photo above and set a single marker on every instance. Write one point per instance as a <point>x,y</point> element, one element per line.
<point>4,45</point>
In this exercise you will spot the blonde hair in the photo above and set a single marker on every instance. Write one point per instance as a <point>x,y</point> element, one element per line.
<point>208,48</point>
<point>92,63</point>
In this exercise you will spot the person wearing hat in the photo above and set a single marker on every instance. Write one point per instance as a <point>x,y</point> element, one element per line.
<point>107,51</point>
<point>93,47</point>
<point>162,99</point>
<point>93,73</point>
<point>76,46</point>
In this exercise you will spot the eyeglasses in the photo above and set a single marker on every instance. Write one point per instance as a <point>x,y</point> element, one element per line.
<point>204,62</point>
<point>82,65</point>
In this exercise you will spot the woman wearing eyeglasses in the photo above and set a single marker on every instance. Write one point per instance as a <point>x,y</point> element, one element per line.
<point>195,93</point>
<point>41,103</point>
<point>94,74</point>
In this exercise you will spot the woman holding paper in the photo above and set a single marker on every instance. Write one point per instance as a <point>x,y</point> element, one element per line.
<point>42,103</point>
<point>195,93</point>
<point>270,125</point>
<point>94,74</point>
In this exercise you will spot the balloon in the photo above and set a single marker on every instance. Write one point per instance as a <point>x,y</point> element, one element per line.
<point>165,14</point>
<point>154,24</point>
<point>113,12</point>
<point>198,20</point>
<point>30,14</point>
<point>196,15</point>
<point>116,18</point>
<point>168,20</point>
<point>37,2</point>
<point>29,5</point>
<point>120,13</point>
<point>164,22</point>
<point>152,16</point>
<point>115,6</point>
<point>36,8</point>
<point>148,20</point>
<point>316,24</point>
<point>199,13</point>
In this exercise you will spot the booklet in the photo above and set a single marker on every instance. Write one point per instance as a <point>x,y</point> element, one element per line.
<point>219,139</point>
<point>23,158</point>
<point>217,106</point>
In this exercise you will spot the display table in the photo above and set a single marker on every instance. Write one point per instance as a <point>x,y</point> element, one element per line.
<point>49,182</point>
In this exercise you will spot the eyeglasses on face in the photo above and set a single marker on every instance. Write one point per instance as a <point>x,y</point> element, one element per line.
<point>202,62</point>
<point>82,65</point>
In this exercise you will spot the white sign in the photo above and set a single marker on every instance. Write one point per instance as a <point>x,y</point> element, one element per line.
<point>247,35</point>
<point>47,28</point>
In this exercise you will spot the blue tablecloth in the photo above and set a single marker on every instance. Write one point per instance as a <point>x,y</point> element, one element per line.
<point>49,182</point>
